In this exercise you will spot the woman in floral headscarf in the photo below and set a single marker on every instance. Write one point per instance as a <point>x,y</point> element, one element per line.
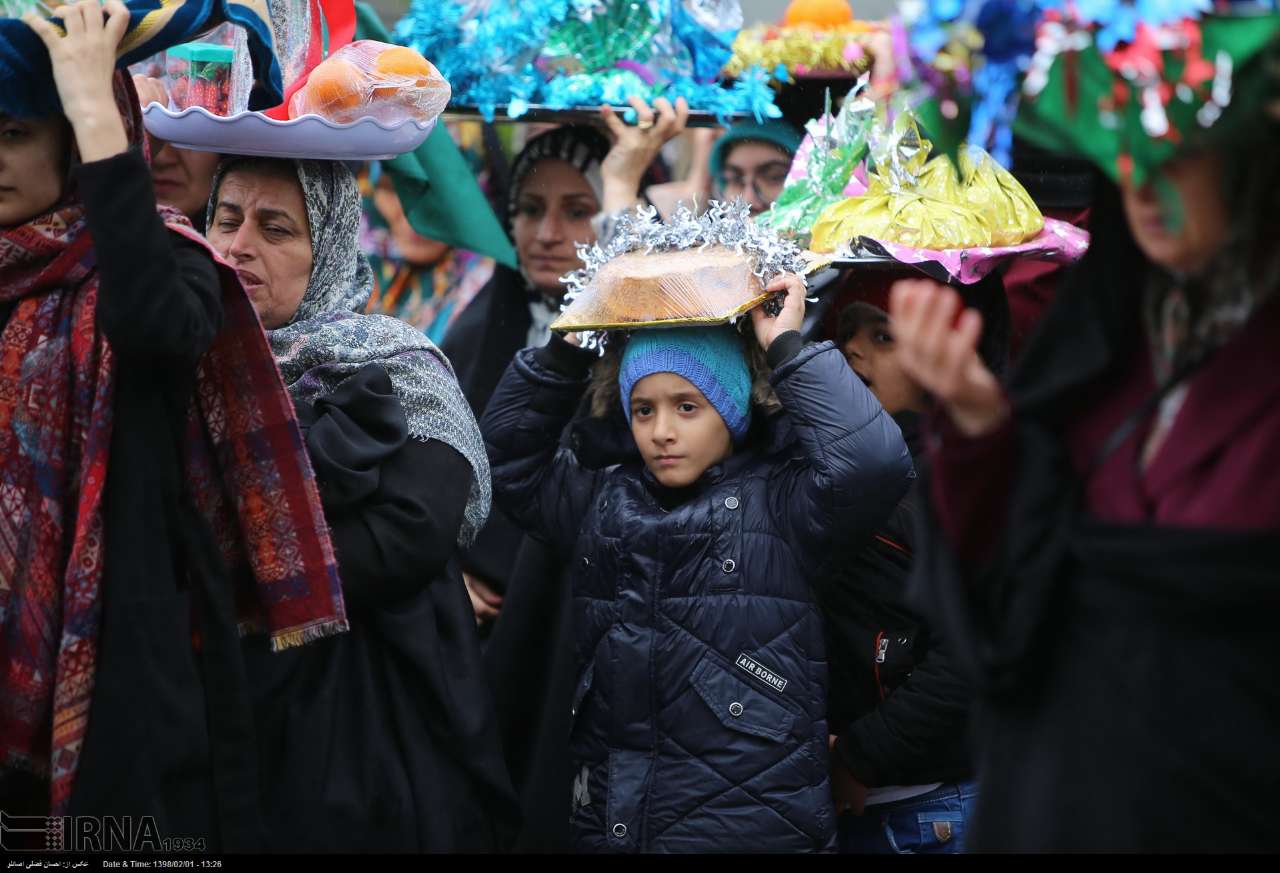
<point>406,758</point>
<point>421,280</point>
<point>150,474</point>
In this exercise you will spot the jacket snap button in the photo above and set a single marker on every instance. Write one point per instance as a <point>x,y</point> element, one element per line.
<point>586,562</point>
<point>728,566</point>
<point>735,709</point>
<point>731,503</point>
<point>619,830</point>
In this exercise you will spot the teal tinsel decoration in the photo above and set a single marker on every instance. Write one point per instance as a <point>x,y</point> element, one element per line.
<point>581,53</point>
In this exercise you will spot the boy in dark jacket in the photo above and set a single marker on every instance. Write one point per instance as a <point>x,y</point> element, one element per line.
<point>900,765</point>
<point>700,708</point>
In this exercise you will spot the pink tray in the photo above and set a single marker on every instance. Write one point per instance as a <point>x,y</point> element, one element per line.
<point>1059,241</point>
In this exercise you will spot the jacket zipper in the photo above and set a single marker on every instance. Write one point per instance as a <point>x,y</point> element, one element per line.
<point>881,646</point>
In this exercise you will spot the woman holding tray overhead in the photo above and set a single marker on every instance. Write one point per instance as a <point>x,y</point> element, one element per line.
<point>143,431</point>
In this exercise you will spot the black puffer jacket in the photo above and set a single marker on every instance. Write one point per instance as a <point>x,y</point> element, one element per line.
<point>701,699</point>
<point>898,703</point>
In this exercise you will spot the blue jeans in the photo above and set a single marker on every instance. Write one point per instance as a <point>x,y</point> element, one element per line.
<point>932,824</point>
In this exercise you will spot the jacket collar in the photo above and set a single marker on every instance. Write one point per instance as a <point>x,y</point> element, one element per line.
<point>1235,387</point>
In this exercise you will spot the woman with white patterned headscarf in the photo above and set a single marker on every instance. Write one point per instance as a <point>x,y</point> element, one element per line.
<point>383,738</point>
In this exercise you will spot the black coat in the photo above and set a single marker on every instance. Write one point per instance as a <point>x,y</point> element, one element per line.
<point>528,655</point>
<point>480,345</point>
<point>1127,694</point>
<point>383,739</point>
<point>701,696</point>
<point>170,730</point>
<point>897,702</point>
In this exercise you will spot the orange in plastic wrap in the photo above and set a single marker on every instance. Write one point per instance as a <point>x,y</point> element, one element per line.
<point>402,62</point>
<point>369,79</point>
<point>332,89</point>
<point>819,13</point>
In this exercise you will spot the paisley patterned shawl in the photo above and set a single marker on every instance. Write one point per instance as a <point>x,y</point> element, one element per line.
<point>246,471</point>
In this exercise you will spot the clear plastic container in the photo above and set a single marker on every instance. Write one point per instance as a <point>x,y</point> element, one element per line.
<point>199,74</point>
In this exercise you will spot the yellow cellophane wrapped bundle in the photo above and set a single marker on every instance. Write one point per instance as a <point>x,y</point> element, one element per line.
<point>993,191</point>
<point>911,218</point>
<point>917,202</point>
<point>670,289</point>
<point>816,36</point>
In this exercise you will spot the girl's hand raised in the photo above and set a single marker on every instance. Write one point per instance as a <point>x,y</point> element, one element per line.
<point>769,327</point>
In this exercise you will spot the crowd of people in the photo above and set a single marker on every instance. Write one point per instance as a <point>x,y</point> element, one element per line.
<point>317,537</point>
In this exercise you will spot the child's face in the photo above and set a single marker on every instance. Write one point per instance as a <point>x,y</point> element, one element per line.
<point>872,354</point>
<point>677,431</point>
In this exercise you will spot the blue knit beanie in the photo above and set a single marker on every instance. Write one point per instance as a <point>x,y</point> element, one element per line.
<point>710,358</point>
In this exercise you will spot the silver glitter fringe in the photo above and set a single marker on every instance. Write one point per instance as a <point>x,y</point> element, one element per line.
<point>723,224</point>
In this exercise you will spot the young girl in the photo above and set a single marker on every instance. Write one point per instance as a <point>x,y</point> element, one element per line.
<point>699,713</point>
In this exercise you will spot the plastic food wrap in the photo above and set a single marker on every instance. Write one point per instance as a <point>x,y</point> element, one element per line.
<point>291,33</point>
<point>368,79</point>
<point>667,289</point>
<point>921,203</point>
<point>691,270</point>
<point>199,74</point>
<point>825,165</point>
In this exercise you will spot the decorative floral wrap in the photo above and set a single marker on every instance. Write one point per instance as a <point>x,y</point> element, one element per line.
<point>1126,83</point>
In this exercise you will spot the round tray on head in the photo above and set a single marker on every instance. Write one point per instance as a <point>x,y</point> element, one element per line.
<point>252,133</point>
<point>539,114</point>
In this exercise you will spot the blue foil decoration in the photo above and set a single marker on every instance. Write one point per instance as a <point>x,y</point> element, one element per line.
<point>489,52</point>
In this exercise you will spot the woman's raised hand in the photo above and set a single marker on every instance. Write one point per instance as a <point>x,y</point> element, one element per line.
<point>769,327</point>
<point>941,354</point>
<point>84,60</point>
<point>636,145</point>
